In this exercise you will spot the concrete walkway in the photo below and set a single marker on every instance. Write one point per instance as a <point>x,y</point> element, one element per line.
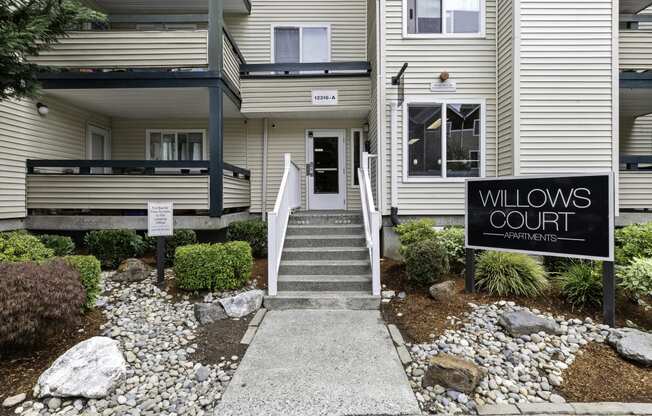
<point>320,362</point>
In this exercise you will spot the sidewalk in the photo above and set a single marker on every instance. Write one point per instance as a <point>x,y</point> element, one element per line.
<point>319,362</point>
<point>606,408</point>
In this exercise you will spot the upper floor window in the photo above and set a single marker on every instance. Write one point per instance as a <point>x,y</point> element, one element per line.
<point>301,43</point>
<point>431,17</point>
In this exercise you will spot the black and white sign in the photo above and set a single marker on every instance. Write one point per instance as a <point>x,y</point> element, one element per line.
<point>160,219</point>
<point>324,97</point>
<point>443,86</point>
<point>569,216</point>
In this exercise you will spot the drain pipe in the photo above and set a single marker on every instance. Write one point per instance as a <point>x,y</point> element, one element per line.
<point>393,139</point>
<point>264,190</point>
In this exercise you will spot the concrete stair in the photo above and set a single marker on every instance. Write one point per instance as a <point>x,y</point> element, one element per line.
<point>325,264</point>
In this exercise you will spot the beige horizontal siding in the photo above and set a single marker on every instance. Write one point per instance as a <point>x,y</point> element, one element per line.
<point>505,87</point>
<point>636,49</point>
<point>122,49</point>
<point>236,192</point>
<point>636,136</point>
<point>265,96</point>
<point>231,64</point>
<point>635,190</point>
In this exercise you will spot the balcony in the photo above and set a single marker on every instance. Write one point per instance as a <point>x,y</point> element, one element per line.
<point>635,190</point>
<point>635,49</point>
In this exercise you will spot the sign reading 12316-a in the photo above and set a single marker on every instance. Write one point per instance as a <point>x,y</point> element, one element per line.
<point>566,216</point>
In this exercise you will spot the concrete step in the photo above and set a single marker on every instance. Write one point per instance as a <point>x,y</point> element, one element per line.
<point>326,229</point>
<point>325,283</point>
<point>325,217</point>
<point>324,267</point>
<point>294,241</point>
<point>322,300</point>
<point>325,253</point>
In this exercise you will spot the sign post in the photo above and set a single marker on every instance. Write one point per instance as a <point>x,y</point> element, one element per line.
<point>560,216</point>
<point>160,224</point>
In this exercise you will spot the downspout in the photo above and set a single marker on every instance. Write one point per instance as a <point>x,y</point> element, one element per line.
<point>380,105</point>
<point>393,139</point>
<point>264,185</point>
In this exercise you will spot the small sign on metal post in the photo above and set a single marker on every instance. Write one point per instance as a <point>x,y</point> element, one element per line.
<point>160,224</point>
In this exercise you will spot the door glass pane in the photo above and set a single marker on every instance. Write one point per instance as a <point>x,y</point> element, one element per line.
<point>462,16</point>
<point>286,45</point>
<point>428,16</point>
<point>97,150</point>
<point>326,159</point>
<point>315,44</point>
<point>463,145</point>
<point>424,141</point>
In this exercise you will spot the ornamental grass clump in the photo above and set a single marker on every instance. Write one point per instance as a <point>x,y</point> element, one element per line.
<point>581,284</point>
<point>502,274</point>
<point>426,262</point>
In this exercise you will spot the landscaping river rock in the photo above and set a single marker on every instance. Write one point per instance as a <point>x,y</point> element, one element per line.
<point>156,336</point>
<point>516,369</point>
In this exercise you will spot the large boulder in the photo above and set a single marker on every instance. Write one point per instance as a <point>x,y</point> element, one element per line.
<point>632,344</point>
<point>243,304</point>
<point>207,313</point>
<point>131,270</point>
<point>523,322</point>
<point>443,292</point>
<point>452,373</point>
<point>90,369</point>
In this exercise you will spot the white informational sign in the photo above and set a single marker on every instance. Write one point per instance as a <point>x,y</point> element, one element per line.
<point>324,97</point>
<point>445,86</point>
<point>160,219</point>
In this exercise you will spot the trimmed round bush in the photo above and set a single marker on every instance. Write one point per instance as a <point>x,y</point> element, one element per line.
<point>213,266</point>
<point>179,239</point>
<point>411,232</point>
<point>38,300</point>
<point>633,241</point>
<point>253,232</point>
<point>636,278</point>
<point>21,246</point>
<point>453,241</point>
<point>89,270</point>
<point>581,284</point>
<point>426,262</point>
<point>61,245</point>
<point>112,247</point>
<point>502,273</point>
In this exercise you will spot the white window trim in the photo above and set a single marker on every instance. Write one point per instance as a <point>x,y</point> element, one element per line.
<point>176,132</point>
<point>443,101</point>
<point>480,35</point>
<point>300,26</point>
<point>353,150</point>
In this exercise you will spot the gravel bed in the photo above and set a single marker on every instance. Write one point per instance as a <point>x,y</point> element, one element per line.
<point>519,369</point>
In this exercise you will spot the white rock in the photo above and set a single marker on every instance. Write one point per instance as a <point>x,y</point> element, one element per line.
<point>14,400</point>
<point>243,304</point>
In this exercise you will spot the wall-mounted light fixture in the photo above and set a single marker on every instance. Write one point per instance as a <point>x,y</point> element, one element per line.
<point>42,109</point>
<point>443,77</point>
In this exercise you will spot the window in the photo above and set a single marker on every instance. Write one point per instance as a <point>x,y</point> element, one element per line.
<point>444,16</point>
<point>176,145</point>
<point>295,44</point>
<point>357,148</point>
<point>429,155</point>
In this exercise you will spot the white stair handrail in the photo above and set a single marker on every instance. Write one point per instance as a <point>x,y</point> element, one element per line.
<point>289,198</point>
<point>372,223</point>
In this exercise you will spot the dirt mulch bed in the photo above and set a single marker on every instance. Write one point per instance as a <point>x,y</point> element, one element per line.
<point>600,375</point>
<point>221,340</point>
<point>20,369</point>
<point>259,272</point>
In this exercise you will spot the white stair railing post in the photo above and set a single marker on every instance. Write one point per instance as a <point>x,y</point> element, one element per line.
<point>372,222</point>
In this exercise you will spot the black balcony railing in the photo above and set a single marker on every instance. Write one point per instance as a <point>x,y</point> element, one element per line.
<point>636,163</point>
<point>306,70</point>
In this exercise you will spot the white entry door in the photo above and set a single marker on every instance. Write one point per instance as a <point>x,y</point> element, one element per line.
<point>326,157</point>
<point>98,147</point>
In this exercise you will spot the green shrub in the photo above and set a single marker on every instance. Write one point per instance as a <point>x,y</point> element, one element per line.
<point>632,242</point>
<point>37,300</point>
<point>453,241</point>
<point>581,284</point>
<point>510,274</point>
<point>89,270</point>
<point>213,266</point>
<point>179,239</point>
<point>61,245</point>
<point>111,247</point>
<point>636,277</point>
<point>253,232</point>
<point>414,231</point>
<point>426,262</point>
<point>21,246</point>
<point>558,265</point>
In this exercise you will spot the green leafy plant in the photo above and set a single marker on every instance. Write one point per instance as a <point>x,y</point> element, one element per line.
<point>414,231</point>
<point>179,239</point>
<point>453,241</point>
<point>510,274</point>
<point>213,266</point>
<point>61,245</point>
<point>633,241</point>
<point>636,278</point>
<point>38,300</point>
<point>581,284</point>
<point>426,262</point>
<point>89,270</point>
<point>111,247</point>
<point>21,246</point>
<point>253,232</point>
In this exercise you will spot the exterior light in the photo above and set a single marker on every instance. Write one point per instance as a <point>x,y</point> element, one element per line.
<point>444,76</point>
<point>42,109</point>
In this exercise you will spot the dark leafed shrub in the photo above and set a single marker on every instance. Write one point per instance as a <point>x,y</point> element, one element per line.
<point>253,232</point>
<point>21,246</point>
<point>89,270</point>
<point>112,247</point>
<point>61,245</point>
<point>581,284</point>
<point>426,262</point>
<point>37,300</point>
<point>179,239</point>
<point>510,274</point>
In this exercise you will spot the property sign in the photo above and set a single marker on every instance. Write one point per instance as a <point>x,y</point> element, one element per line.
<point>324,97</point>
<point>443,86</point>
<point>565,216</point>
<point>160,219</point>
